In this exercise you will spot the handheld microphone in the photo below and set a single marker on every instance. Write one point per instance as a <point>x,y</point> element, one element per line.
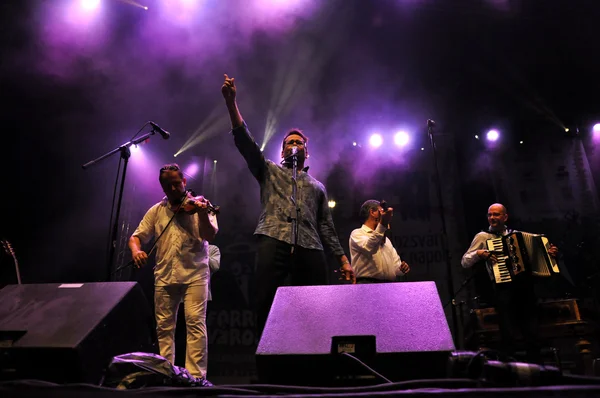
<point>385,208</point>
<point>384,205</point>
<point>165,134</point>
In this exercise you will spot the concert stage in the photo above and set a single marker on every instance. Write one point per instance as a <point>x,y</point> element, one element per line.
<point>57,340</point>
<point>420,388</point>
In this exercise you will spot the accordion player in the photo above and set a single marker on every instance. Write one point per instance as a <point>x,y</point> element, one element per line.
<point>519,252</point>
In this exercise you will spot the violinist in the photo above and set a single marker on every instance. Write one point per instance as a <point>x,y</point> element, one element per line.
<point>183,225</point>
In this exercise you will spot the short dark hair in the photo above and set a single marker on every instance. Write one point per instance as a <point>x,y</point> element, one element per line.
<point>169,167</point>
<point>366,208</point>
<point>294,132</point>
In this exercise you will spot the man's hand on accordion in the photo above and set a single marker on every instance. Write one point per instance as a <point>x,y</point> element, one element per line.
<point>553,250</point>
<point>486,255</point>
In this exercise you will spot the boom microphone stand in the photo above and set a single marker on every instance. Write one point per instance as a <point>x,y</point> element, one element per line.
<point>430,128</point>
<point>125,154</point>
<point>294,199</point>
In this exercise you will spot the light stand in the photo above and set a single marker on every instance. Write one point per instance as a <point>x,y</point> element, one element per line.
<point>430,128</point>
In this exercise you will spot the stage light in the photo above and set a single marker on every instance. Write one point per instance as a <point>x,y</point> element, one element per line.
<point>215,161</point>
<point>476,137</point>
<point>596,132</point>
<point>520,142</point>
<point>354,143</point>
<point>376,140</point>
<point>331,204</point>
<point>89,5</point>
<point>401,138</point>
<point>422,149</point>
<point>566,129</point>
<point>192,169</point>
<point>492,135</point>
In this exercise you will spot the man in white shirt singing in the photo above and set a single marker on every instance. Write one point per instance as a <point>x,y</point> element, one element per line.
<point>373,256</point>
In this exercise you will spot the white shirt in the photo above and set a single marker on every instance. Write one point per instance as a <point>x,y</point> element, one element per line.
<point>373,255</point>
<point>181,254</point>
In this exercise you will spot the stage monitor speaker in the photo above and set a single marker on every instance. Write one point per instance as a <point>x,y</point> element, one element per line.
<point>68,333</point>
<point>398,329</point>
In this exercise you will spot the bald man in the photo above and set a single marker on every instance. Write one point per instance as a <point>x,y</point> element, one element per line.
<point>515,301</point>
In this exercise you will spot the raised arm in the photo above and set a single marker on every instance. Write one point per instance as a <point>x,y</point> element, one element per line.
<point>368,243</point>
<point>229,92</point>
<point>244,141</point>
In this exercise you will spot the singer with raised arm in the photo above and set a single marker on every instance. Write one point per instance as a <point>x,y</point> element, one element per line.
<point>374,258</point>
<point>182,226</point>
<point>512,281</point>
<point>295,225</point>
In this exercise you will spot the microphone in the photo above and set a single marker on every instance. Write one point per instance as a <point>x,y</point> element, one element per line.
<point>294,150</point>
<point>159,130</point>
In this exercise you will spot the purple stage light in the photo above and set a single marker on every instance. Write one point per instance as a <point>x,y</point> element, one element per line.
<point>401,138</point>
<point>493,135</point>
<point>89,5</point>
<point>192,169</point>
<point>376,140</point>
<point>181,12</point>
<point>596,132</point>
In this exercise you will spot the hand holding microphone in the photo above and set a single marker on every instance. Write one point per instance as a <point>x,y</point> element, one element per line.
<point>386,214</point>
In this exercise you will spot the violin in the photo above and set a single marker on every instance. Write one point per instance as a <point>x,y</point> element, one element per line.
<point>188,205</point>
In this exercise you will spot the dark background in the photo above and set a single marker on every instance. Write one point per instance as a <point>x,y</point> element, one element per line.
<point>73,90</point>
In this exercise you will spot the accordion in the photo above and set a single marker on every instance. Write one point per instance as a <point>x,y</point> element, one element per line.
<point>519,252</point>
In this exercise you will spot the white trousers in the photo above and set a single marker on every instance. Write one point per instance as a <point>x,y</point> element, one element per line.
<point>166,304</point>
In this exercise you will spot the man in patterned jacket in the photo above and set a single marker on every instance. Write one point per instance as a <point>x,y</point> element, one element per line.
<point>277,257</point>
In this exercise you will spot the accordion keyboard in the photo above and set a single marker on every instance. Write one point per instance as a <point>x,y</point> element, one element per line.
<point>500,268</point>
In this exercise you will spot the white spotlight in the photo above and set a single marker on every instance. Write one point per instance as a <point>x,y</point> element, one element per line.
<point>401,138</point>
<point>376,140</point>
<point>493,135</point>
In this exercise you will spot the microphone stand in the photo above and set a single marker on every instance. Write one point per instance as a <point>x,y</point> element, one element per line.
<point>125,154</point>
<point>461,287</point>
<point>430,128</point>
<point>293,198</point>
